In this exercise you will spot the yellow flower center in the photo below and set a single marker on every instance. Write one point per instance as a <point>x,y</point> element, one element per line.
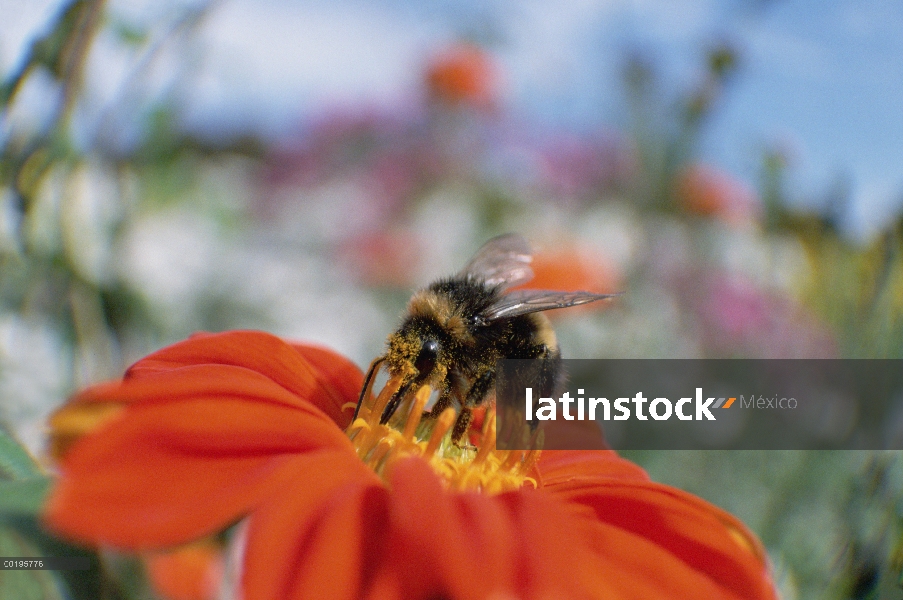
<point>482,468</point>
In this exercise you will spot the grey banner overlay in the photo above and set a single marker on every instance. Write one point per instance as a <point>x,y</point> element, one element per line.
<point>45,563</point>
<point>778,404</point>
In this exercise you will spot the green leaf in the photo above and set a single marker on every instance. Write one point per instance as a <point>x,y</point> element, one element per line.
<point>23,496</point>
<point>15,461</point>
<point>25,585</point>
<point>79,585</point>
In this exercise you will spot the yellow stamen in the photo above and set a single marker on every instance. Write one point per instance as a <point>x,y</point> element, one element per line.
<point>382,449</point>
<point>423,394</point>
<point>529,461</point>
<point>483,469</point>
<point>443,424</point>
<point>382,400</point>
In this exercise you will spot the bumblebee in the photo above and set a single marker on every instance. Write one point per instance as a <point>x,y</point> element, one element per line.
<point>458,328</point>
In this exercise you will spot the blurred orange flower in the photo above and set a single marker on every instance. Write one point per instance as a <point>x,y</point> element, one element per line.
<point>244,425</point>
<point>191,572</point>
<point>708,191</point>
<point>382,258</point>
<point>463,74</point>
<point>574,267</point>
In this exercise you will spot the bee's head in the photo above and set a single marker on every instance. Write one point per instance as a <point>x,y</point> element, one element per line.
<point>414,359</point>
<point>415,352</point>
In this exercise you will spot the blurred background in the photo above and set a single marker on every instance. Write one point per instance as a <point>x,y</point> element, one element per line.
<point>301,166</point>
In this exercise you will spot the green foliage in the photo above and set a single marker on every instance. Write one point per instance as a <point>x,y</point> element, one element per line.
<point>23,490</point>
<point>23,496</point>
<point>25,585</point>
<point>15,462</point>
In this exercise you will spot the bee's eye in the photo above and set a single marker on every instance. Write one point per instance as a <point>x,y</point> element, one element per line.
<point>426,359</point>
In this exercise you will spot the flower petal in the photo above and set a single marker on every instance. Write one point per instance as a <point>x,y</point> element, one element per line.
<point>315,374</point>
<point>560,466</point>
<point>314,539</point>
<point>559,553</point>
<point>448,545</point>
<point>191,572</point>
<point>187,460</point>
<point>76,420</point>
<point>204,380</point>
<point>471,546</point>
<point>706,540</point>
<point>416,540</point>
<point>526,544</point>
<point>341,379</point>
<point>101,404</point>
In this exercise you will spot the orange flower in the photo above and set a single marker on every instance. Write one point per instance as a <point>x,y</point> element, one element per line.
<point>243,425</point>
<point>191,572</point>
<point>463,74</point>
<point>572,267</point>
<point>382,258</point>
<point>705,190</point>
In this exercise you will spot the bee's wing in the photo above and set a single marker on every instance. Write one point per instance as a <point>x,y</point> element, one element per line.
<point>522,302</point>
<point>503,261</point>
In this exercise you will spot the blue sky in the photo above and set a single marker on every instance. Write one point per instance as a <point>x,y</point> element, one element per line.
<point>823,80</point>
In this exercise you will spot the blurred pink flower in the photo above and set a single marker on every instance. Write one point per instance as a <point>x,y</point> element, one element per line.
<point>739,317</point>
<point>387,154</point>
<point>582,168</point>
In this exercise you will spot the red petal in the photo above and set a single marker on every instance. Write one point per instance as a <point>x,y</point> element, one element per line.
<point>470,546</point>
<point>102,404</point>
<point>702,538</point>
<point>340,377</point>
<point>558,556</point>
<point>317,375</point>
<point>195,455</point>
<point>448,545</point>
<point>192,572</point>
<point>331,538</point>
<point>315,540</point>
<point>185,383</point>
<point>560,466</point>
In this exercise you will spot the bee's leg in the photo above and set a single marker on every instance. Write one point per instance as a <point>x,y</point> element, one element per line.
<point>368,385</point>
<point>462,423</point>
<point>452,389</point>
<point>480,389</point>
<point>396,399</point>
<point>475,396</point>
<point>441,404</point>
